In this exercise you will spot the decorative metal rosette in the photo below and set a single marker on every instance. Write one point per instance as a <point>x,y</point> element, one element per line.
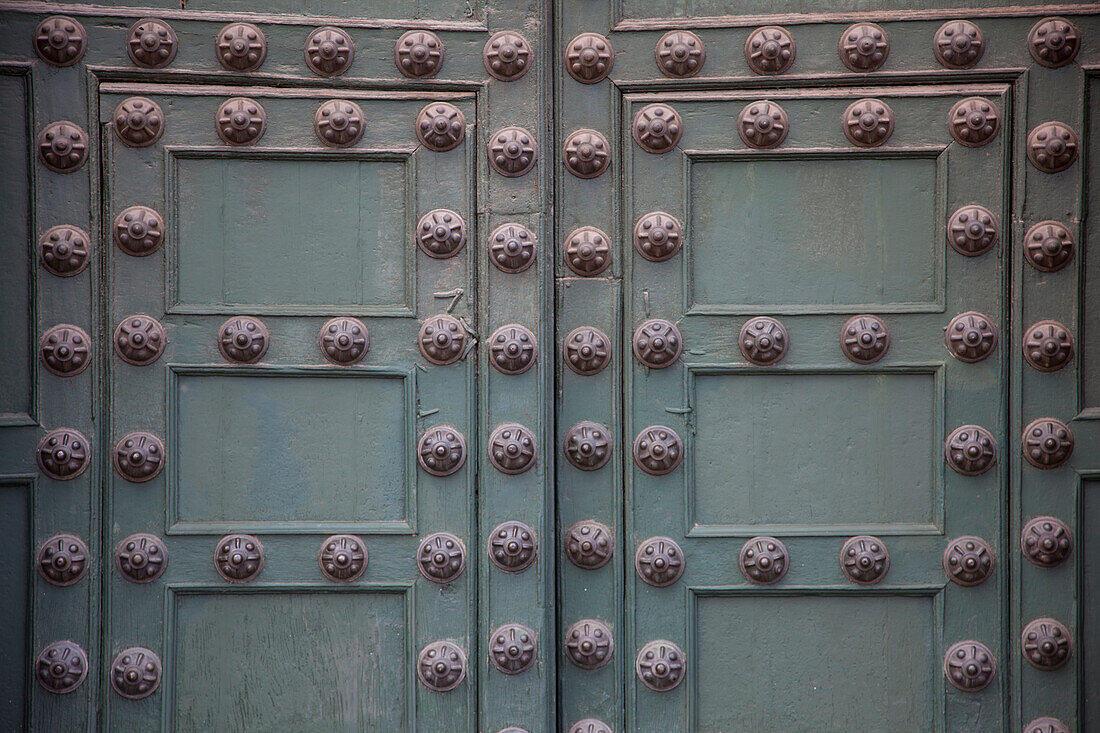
<point>512,449</point>
<point>135,673</point>
<point>587,153</point>
<point>680,54</point>
<point>1048,346</point>
<point>140,339</point>
<point>770,50</point>
<point>63,146</point>
<point>512,648</point>
<point>763,560</point>
<point>1046,541</point>
<point>339,123</point>
<point>1052,147</point>
<point>418,54</point>
<point>151,43</point>
<point>60,40</point>
<point>441,557</point>
<point>61,667</point>
<point>657,343</point>
<point>763,124</point>
<point>139,457</point>
<point>1048,246</point>
<point>512,151</point>
<point>138,231</point>
<point>657,128</point>
<point>441,450</point>
<point>441,233</point>
<point>141,558</point>
<point>241,121</point>
<point>63,454</point>
<point>63,250</point>
<point>1054,42</point>
<point>512,349</point>
<point>587,251</point>
<point>658,236</point>
<point>958,44</point>
<point>970,336</point>
<point>512,248</point>
<point>512,546</point>
<point>974,121</point>
<point>589,58</point>
<point>589,643</point>
<point>588,445</point>
<point>864,559</point>
<point>658,450</point>
<point>763,341</point>
<point>660,665</point>
<point>864,339</point>
<point>344,340</point>
<point>588,544</point>
<point>239,558</point>
<point>659,561</point>
<point>329,51</point>
<point>1046,725</point>
<point>587,350</point>
<point>62,559</point>
<point>243,339</point>
<point>590,725</point>
<point>64,350</point>
<point>969,665</point>
<point>1047,644</point>
<point>868,123</point>
<point>241,47</point>
<point>343,558</point>
<point>973,230</point>
<point>441,666</point>
<point>138,122</point>
<point>968,560</point>
<point>1048,443</point>
<point>442,339</point>
<point>441,126</point>
<point>971,450</point>
<point>507,55</point>
<point>864,47</point>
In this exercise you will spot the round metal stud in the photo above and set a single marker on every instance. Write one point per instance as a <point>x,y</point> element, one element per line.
<point>418,54</point>
<point>239,558</point>
<point>329,51</point>
<point>657,343</point>
<point>343,558</point>
<point>658,236</point>
<point>344,340</point>
<point>512,349</point>
<point>680,54</point>
<point>139,340</point>
<point>64,350</point>
<point>588,445</point>
<point>151,43</point>
<point>1046,541</point>
<point>763,560</point>
<point>864,560</point>
<point>973,121</point>
<point>1048,246</point>
<point>973,230</point>
<point>660,665</point>
<point>971,450</point>
<point>441,233</point>
<point>589,58</point>
<point>441,666</point>
<point>1048,346</point>
<point>441,450</point>
<point>657,128</point>
<point>138,231</point>
<point>770,50</point>
<point>61,667</point>
<point>62,559</point>
<point>958,44</point>
<point>587,251</point>
<point>141,558</point>
<point>1047,644</point>
<point>658,450</point>
<point>63,250</point>
<point>512,248</point>
<point>512,449</point>
<point>969,665</point>
<point>442,339</point>
<point>970,336</point>
<point>512,151</point>
<point>1052,147</point>
<point>63,146</point>
<point>968,561</point>
<point>507,56</point>
<point>864,47</point>
<point>241,47</point>
<point>241,121</point>
<point>60,40</point>
<point>63,454</point>
<point>512,546</point>
<point>243,339</point>
<point>763,341</point>
<point>590,725</point>
<point>441,557</point>
<point>1048,443</point>
<point>864,339</point>
<point>659,561</point>
<point>1054,42</point>
<point>512,648</point>
<point>587,153</point>
<point>138,457</point>
<point>762,125</point>
<point>868,123</point>
<point>135,673</point>
<point>441,126</point>
<point>588,544</point>
<point>587,350</point>
<point>138,122</point>
<point>339,123</point>
<point>1046,725</point>
<point>589,643</point>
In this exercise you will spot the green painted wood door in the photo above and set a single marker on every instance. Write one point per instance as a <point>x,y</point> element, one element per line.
<point>578,366</point>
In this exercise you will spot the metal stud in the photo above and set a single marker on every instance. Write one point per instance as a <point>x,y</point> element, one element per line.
<point>660,665</point>
<point>343,558</point>
<point>63,250</point>
<point>442,339</point>
<point>141,558</point>
<point>63,146</point>
<point>1048,346</point>
<point>138,231</point>
<point>589,643</point>
<point>1046,725</point>
<point>441,126</point>
<point>587,350</point>
<point>239,558</point>
<point>658,450</point>
<point>969,665</point>
<point>971,450</point>
<point>763,125</point>
<point>60,40</point>
<point>241,47</point>
<point>243,339</point>
<point>441,666</point>
<point>63,454</point>
<point>763,560</point>
<point>418,54</point>
<point>329,51</point>
<point>973,121</point>
<point>770,50</point>
<point>587,153</point>
<point>1052,146</point>
<point>864,560</point>
<point>973,230</point>
<point>441,450</point>
<point>658,236</point>
<point>1047,644</point>
<point>138,456</point>
<point>512,349</point>
<point>512,546</point>
<point>344,340</point>
<point>1046,541</point>
<point>590,725</point>
<point>441,233</point>
<point>151,43</point>
<point>1048,443</point>
<point>864,47</point>
<point>588,544</point>
<point>970,336</point>
<point>657,343</point>
<point>135,673</point>
<point>763,341</point>
<point>507,56</point>
<point>138,122</point>
<point>680,54</point>
<point>64,350</point>
<point>864,339</point>
<point>339,123</point>
<point>512,151</point>
<point>868,123</point>
<point>441,557</point>
<point>140,339</point>
<point>512,248</point>
<point>968,560</point>
<point>61,667</point>
<point>587,251</point>
<point>657,128</point>
<point>958,44</point>
<point>512,449</point>
<point>659,561</point>
<point>62,559</point>
<point>1048,246</point>
<point>1054,42</point>
<point>588,445</point>
<point>512,648</point>
<point>241,121</point>
<point>589,58</point>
